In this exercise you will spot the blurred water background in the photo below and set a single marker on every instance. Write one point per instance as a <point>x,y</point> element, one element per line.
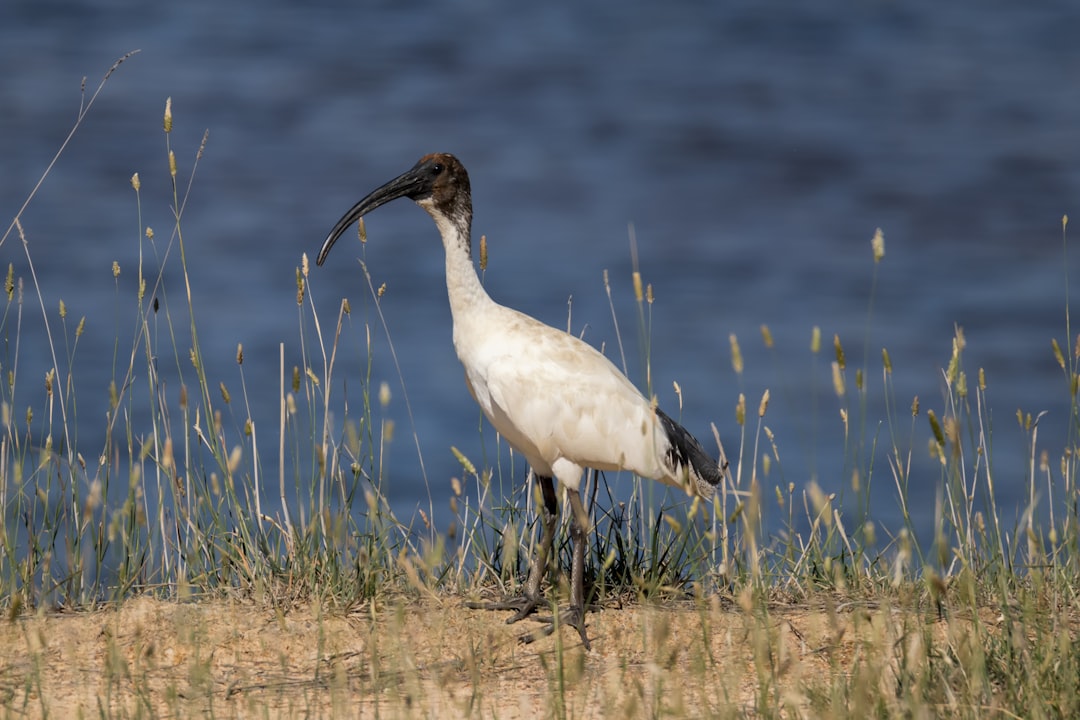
<point>754,147</point>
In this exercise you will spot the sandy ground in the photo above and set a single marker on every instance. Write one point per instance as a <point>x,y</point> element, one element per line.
<point>432,658</point>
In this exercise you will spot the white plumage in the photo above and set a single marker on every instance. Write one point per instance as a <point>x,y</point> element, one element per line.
<point>554,398</point>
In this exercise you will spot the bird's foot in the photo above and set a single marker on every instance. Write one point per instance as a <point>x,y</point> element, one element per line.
<point>524,605</point>
<point>573,616</point>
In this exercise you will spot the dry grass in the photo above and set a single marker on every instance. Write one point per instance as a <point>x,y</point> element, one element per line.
<point>154,658</point>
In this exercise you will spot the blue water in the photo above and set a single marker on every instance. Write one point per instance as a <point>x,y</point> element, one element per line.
<point>754,147</point>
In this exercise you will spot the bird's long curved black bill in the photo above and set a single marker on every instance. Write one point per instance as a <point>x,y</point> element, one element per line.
<point>410,184</point>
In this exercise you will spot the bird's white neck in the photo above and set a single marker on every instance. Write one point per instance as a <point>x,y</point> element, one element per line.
<point>462,283</point>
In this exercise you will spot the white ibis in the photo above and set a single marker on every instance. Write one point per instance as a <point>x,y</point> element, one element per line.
<point>556,400</point>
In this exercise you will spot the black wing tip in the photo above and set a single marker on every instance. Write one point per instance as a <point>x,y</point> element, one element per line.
<point>687,452</point>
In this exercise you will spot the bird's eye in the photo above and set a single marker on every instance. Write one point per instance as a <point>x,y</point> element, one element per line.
<point>436,169</point>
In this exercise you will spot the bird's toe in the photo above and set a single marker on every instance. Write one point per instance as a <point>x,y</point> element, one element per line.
<point>522,605</point>
<point>573,616</point>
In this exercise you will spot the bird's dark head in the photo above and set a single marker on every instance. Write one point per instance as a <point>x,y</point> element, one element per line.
<point>438,183</point>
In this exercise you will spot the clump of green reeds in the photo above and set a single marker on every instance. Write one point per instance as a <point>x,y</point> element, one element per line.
<point>172,501</point>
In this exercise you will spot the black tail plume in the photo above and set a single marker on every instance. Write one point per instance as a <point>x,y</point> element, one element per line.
<point>686,455</point>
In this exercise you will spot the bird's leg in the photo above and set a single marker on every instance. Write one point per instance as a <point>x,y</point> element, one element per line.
<point>574,616</point>
<point>526,603</point>
<point>550,518</point>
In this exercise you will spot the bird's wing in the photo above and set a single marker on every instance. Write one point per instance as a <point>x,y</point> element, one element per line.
<point>554,396</point>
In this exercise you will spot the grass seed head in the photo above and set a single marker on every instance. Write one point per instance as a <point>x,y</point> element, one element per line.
<point>93,500</point>
<point>822,503</point>
<point>954,361</point>
<point>935,426</point>
<point>838,380</point>
<point>235,457</point>
<point>465,462</point>
<point>736,354</point>
<point>877,244</point>
<point>1057,353</point>
<point>167,460</point>
<point>766,336</point>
